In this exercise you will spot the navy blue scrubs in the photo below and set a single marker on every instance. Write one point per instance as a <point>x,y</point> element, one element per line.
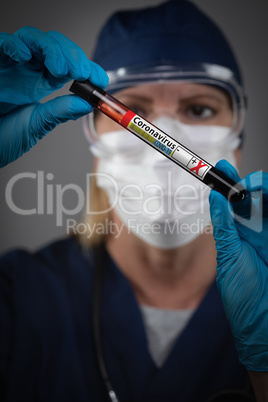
<point>46,345</point>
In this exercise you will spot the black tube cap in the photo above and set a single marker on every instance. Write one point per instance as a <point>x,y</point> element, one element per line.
<point>85,89</point>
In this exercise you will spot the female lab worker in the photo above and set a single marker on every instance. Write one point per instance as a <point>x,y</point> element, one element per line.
<point>150,258</point>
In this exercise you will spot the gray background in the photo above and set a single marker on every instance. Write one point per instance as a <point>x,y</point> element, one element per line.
<point>64,152</point>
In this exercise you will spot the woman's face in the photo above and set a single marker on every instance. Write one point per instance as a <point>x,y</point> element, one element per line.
<point>190,103</point>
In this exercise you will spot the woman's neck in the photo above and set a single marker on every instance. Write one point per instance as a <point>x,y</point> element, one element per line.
<point>174,279</point>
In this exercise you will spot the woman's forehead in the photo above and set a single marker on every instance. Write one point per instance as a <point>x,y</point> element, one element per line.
<point>171,89</point>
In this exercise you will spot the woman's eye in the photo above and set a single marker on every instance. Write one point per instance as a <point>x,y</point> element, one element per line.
<point>199,112</point>
<point>138,110</point>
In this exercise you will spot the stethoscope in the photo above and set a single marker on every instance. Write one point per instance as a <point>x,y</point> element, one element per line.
<point>99,266</point>
<point>98,254</point>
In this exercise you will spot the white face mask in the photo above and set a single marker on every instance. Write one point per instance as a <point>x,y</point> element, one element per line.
<point>157,200</point>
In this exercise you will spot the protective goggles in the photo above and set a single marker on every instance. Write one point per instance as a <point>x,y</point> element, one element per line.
<point>206,74</point>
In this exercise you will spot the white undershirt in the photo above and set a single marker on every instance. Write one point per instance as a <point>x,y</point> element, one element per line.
<point>162,328</point>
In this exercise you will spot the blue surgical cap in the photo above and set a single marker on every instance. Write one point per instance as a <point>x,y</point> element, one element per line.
<point>175,30</point>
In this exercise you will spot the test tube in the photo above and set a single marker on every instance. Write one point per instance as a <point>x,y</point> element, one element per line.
<point>159,140</point>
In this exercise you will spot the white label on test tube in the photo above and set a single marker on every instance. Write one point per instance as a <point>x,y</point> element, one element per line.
<point>167,145</point>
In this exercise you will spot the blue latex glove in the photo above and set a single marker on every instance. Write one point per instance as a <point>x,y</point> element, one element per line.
<point>34,64</point>
<point>242,271</point>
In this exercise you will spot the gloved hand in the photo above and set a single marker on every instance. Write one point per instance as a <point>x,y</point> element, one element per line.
<point>34,64</point>
<point>242,271</point>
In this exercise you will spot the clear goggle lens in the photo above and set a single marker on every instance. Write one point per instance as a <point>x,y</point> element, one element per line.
<point>191,132</point>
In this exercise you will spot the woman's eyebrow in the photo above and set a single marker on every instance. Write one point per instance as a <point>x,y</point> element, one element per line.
<point>132,97</point>
<point>139,98</point>
<point>216,97</point>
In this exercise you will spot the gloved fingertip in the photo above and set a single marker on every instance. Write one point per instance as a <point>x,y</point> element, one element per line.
<point>80,107</point>
<point>15,48</point>
<point>56,65</point>
<point>98,76</point>
<point>103,78</point>
<point>226,167</point>
<point>85,69</point>
<point>217,202</point>
<point>48,115</point>
<point>23,55</point>
<point>222,164</point>
<point>77,64</point>
<point>215,196</point>
<point>221,211</point>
